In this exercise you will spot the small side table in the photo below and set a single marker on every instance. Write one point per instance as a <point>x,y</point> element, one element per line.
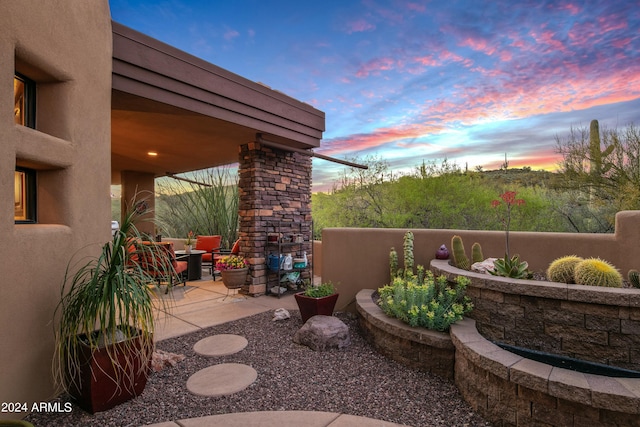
<point>194,263</point>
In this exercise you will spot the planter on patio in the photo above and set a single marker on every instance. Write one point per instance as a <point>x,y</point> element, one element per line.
<point>234,278</point>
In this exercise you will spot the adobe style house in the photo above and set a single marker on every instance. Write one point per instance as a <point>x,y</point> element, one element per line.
<point>91,100</point>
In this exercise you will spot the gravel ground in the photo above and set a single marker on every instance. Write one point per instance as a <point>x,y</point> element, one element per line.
<point>356,380</point>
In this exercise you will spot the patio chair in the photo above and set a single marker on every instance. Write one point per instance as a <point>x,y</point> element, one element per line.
<point>210,244</point>
<point>159,261</point>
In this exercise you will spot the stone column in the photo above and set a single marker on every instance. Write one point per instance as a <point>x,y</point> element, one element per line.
<point>275,187</point>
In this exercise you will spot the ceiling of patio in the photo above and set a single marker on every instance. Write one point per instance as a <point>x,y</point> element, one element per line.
<point>193,114</point>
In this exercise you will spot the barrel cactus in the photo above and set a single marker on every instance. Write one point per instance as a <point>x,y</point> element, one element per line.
<point>476,253</point>
<point>562,269</point>
<point>634,278</point>
<point>597,272</point>
<point>460,258</point>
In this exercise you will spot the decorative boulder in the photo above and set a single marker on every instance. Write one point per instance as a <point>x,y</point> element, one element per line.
<point>322,333</point>
<point>484,266</point>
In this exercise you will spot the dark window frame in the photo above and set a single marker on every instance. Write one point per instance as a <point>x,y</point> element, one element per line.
<point>29,100</point>
<point>29,189</point>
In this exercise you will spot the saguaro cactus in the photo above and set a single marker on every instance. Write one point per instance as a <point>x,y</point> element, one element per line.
<point>408,253</point>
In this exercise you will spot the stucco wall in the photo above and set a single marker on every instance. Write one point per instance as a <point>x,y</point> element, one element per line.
<point>65,46</point>
<point>358,258</point>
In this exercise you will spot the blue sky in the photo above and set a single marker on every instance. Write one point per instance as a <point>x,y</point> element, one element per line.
<point>408,81</point>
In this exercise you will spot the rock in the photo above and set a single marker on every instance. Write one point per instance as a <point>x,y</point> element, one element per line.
<point>322,333</point>
<point>162,359</point>
<point>281,314</point>
<point>484,266</point>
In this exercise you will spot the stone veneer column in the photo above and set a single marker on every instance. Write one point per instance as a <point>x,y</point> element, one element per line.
<point>275,186</point>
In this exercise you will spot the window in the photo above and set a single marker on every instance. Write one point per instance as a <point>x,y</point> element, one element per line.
<point>24,101</point>
<point>24,109</point>
<point>25,195</point>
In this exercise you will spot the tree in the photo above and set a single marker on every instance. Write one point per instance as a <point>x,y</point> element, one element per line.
<point>605,167</point>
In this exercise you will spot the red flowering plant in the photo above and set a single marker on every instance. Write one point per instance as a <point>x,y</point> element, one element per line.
<point>231,262</point>
<point>509,199</point>
<point>509,266</point>
<point>189,240</point>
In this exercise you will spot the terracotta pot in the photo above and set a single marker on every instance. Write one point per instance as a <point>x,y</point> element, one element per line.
<point>100,384</point>
<point>234,279</point>
<point>310,307</point>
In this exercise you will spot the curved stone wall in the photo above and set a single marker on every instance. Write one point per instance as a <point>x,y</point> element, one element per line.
<point>508,389</point>
<point>584,322</point>
<point>503,387</point>
<point>418,348</point>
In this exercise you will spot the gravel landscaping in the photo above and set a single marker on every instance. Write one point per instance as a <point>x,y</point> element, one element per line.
<point>356,380</point>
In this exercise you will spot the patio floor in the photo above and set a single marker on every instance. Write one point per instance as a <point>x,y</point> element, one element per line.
<point>204,303</point>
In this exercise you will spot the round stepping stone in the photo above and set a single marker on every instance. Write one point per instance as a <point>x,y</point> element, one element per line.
<point>220,345</point>
<point>221,380</point>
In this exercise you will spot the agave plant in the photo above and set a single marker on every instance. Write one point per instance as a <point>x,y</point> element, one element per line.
<point>511,267</point>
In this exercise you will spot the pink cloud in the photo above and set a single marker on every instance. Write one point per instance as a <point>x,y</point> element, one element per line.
<point>374,66</point>
<point>230,34</point>
<point>359,26</point>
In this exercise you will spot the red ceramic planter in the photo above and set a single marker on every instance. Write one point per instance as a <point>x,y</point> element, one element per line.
<point>94,387</point>
<point>310,307</point>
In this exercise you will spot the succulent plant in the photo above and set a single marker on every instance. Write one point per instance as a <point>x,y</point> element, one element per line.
<point>562,269</point>
<point>597,272</point>
<point>408,253</point>
<point>393,263</point>
<point>511,267</point>
<point>476,253</point>
<point>634,278</point>
<point>460,258</point>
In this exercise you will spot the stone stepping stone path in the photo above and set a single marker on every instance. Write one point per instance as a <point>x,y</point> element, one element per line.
<point>220,345</point>
<point>225,378</point>
<point>221,380</point>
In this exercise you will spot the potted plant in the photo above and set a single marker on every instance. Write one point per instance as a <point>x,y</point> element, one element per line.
<point>105,323</point>
<point>317,300</point>
<point>233,269</point>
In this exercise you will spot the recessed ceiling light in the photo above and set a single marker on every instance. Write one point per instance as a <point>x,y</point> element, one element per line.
<point>152,153</point>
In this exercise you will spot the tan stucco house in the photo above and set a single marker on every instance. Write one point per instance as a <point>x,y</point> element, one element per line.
<point>91,99</point>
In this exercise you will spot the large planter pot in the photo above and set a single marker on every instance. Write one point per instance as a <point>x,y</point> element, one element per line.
<point>111,375</point>
<point>310,307</point>
<point>234,279</point>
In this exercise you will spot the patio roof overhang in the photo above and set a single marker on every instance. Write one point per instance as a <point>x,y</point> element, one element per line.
<point>193,114</point>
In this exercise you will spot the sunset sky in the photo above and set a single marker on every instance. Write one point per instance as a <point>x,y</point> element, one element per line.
<point>408,81</point>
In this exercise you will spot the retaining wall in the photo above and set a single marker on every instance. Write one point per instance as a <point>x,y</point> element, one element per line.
<point>585,322</point>
<point>506,389</point>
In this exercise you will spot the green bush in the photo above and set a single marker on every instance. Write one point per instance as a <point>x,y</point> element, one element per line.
<point>322,290</point>
<point>562,269</point>
<point>426,301</point>
<point>597,272</point>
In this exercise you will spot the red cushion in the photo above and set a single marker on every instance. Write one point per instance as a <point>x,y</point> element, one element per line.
<point>236,247</point>
<point>208,243</point>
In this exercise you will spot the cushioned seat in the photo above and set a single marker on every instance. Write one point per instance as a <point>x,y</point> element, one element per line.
<point>210,244</point>
<point>159,261</point>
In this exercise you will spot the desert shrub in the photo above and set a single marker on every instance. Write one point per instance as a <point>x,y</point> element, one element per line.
<point>425,301</point>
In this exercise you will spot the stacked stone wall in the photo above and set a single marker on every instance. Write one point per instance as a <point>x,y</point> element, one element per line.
<point>275,195</point>
<point>590,323</point>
